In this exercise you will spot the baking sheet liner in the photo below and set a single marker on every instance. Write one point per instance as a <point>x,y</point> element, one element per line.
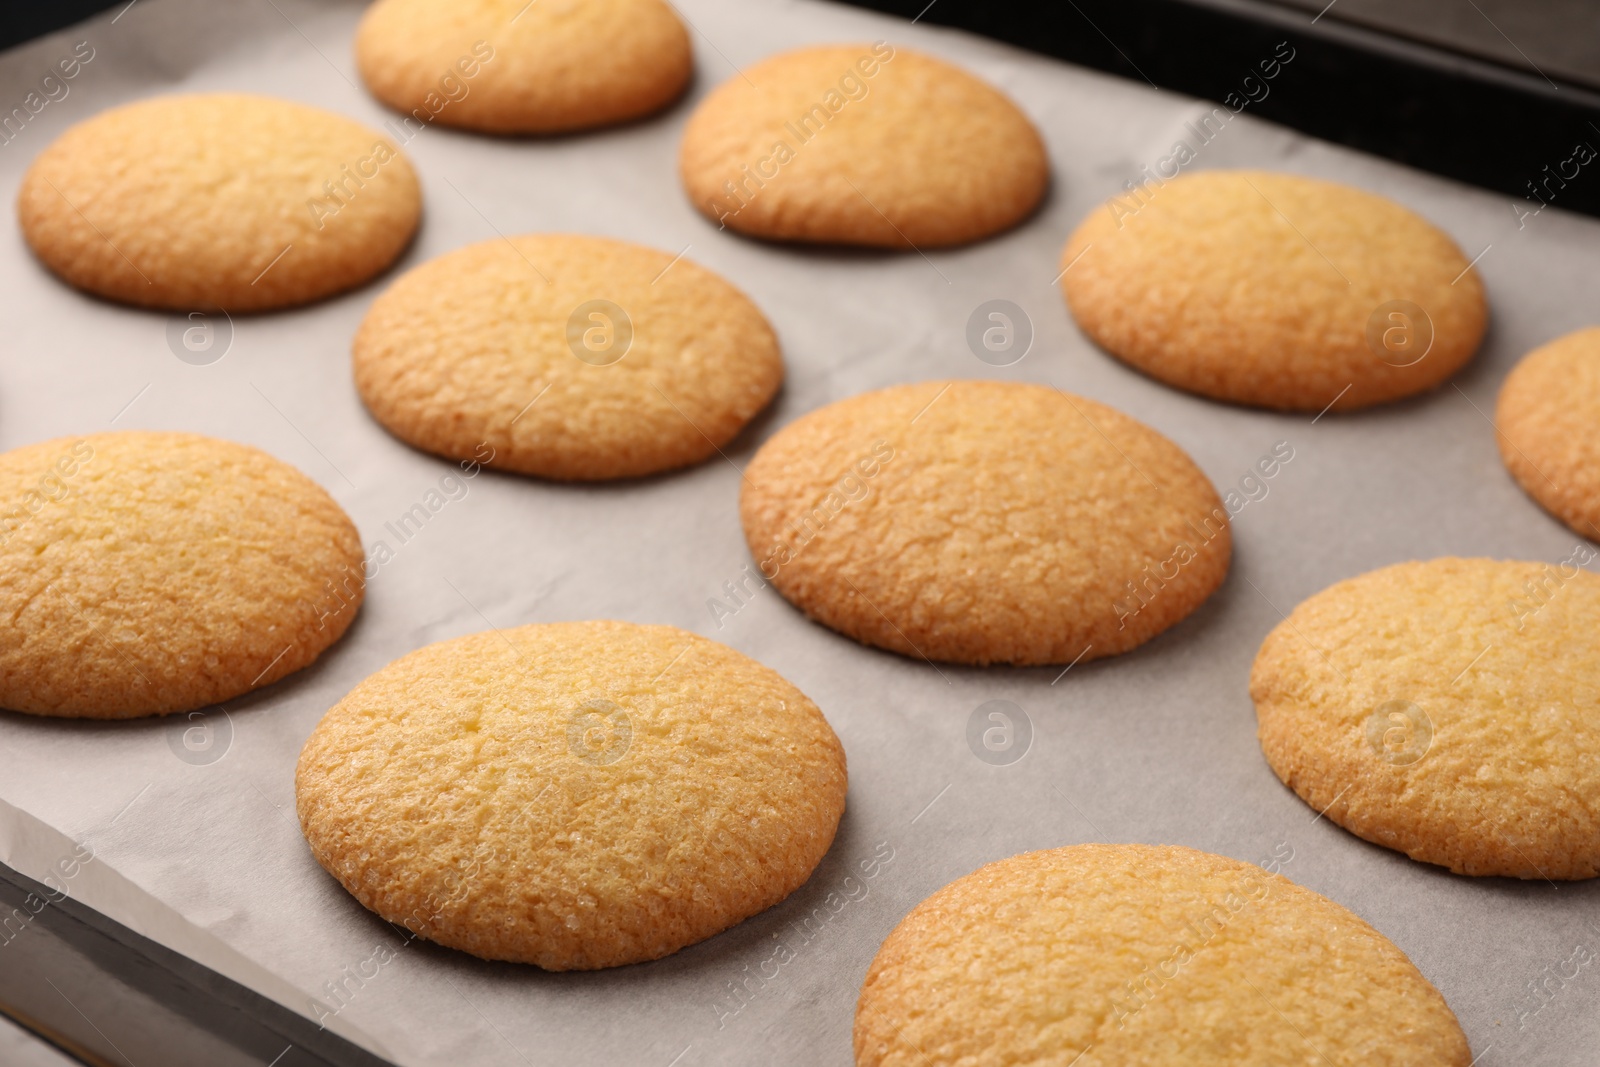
<point>190,822</point>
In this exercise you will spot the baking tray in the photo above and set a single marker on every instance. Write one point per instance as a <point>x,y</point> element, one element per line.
<point>189,822</point>
<point>1436,84</point>
<point>76,977</point>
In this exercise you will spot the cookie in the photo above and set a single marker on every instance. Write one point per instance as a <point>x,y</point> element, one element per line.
<point>1143,956</point>
<point>1447,709</point>
<point>511,66</point>
<point>984,522</point>
<point>862,144</point>
<point>1549,428</point>
<point>1274,290</point>
<point>218,200</point>
<point>573,795</point>
<point>566,357</point>
<point>151,573</point>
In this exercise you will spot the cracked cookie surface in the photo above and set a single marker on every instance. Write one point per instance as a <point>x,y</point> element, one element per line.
<point>984,522</point>
<point>863,144</point>
<point>146,573</point>
<point>515,67</point>
<point>209,201</point>
<point>1143,956</point>
<point>573,795</point>
<point>1548,419</point>
<point>573,358</point>
<point>1448,709</point>
<point>1274,290</point>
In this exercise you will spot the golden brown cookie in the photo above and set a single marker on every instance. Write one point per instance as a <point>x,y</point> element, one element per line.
<point>574,795</point>
<point>1143,956</point>
<point>984,522</point>
<point>862,144</point>
<point>1447,709</point>
<point>218,200</point>
<point>511,66</point>
<point>149,573</point>
<point>569,357</point>
<point>1549,423</point>
<point>1274,290</point>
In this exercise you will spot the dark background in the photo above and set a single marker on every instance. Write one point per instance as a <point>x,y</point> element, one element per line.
<point>1486,91</point>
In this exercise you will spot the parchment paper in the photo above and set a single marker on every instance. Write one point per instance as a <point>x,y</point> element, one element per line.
<point>194,839</point>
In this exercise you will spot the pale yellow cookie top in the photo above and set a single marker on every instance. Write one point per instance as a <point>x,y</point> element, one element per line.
<point>1274,290</point>
<point>1549,422</point>
<point>984,522</point>
<point>145,573</point>
<point>511,66</point>
<point>572,357</point>
<point>218,200</point>
<point>1449,709</point>
<point>573,795</point>
<point>1143,956</point>
<point>867,144</point>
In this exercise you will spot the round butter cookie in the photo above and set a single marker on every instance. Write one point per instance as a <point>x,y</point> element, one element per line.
<point>218,200</point>
<point>1549,423</point>
<point>510,66</point>
<point>863,144</point>
<point>1143,956</point>
<point>1447,709</point>
<point>1274,290</point>
<point>573,795</point>
<point>984,522</point>
<point>149,573</point>
<point>570,357</point>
